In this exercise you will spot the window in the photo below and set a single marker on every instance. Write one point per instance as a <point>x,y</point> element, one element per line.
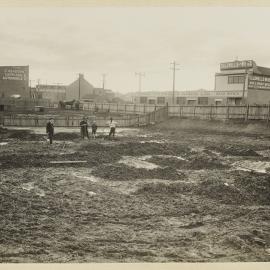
<point>236,79</point>
<point>181,100</point>
<point>191,102</point>
<point>143,100</point>
<point>151,101</point>
<point>161,100</point>
<point>202,100</point>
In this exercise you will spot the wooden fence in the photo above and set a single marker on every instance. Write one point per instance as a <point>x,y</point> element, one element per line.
<point>139,115</point>
<point>224,112</point>
<point>32,120</point>
<point>248,112</point>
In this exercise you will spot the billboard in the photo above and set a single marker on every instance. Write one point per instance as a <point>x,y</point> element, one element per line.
<point>259,82</point>
<point>14,81</point>
<point>237,65</point>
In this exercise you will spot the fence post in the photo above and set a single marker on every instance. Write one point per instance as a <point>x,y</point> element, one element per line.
<point>268,115</point>
<point>144,108</point>
<point>211,112</point>
<point>125,108</point>
<point>228,112</point>
<point>194,111</point>
<point>247,112</point>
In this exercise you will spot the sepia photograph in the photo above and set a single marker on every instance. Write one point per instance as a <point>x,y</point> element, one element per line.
<point>134,132</point>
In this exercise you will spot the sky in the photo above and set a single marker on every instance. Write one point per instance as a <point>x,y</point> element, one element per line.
<point>58,43</point>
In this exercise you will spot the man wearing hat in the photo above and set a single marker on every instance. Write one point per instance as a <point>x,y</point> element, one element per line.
<point>50,129</point>
<point>84,128</point>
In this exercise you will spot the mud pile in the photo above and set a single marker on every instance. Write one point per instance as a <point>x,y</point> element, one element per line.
<point>235,150</point>
<point>25,135</point>
<point>165,188</point>
<point>192,161</point>
<point>139,149</point>
<point>65,136</point>
<point>256,186</point>
<point>121,172</point>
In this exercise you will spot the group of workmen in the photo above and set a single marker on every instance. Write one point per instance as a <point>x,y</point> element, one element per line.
<point>84,128</point>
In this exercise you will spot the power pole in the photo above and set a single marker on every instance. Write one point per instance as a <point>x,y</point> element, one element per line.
<point>79,92</point>
<point>174,69</point>
<point>38,82</point>
<point>103,80</point>
<point>140,75</point>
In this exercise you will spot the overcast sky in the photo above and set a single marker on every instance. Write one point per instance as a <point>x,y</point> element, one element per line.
<point>59,43</point>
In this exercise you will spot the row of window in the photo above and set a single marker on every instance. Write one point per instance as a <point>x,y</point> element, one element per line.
<point>195,101</point>
<point>179,100</point>
<point>236,79</point>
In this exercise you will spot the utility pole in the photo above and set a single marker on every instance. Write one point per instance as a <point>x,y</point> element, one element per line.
<point>38,82</point>
<point>103,80</point>
<point>174,69</point>
<point>245,84</point>
<point>30,90</point>
<point>140,75</point>
<point>79,92</point>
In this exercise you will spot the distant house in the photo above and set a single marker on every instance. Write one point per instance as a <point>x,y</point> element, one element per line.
<point>54,93</point>
<point>82,90</point>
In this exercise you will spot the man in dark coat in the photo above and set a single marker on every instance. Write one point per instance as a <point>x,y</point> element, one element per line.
<point>50,130</point>
<point>94,129</point>
<point>84,128</point>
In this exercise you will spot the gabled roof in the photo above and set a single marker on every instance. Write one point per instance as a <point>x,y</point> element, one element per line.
<point>262,71</point>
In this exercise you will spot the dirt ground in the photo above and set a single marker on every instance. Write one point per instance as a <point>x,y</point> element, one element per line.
<point>181,191</point>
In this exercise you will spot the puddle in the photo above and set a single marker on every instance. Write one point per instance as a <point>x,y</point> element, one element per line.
<point>257,166</point>
<point>138,162</point>
<point>170,156</point>
<point>40,192</point>
<point>63,142</point>
<point>3,143</point>
<point>197,149</point>
<point>28,186</point>
<point>90,177</point>
<point>91,193</point>
<point>155,141</point>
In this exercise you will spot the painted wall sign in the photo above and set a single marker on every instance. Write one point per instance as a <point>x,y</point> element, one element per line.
<point>237,65</point>
<point>259,82</point>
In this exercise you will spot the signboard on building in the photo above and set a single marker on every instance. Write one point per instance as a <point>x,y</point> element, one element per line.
<point>237,65</point>
<point>14,81</point>
<point>259,82</point>
<point>13,73</point>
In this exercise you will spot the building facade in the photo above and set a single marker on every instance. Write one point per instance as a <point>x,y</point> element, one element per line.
<point>82,90</point>
<point>237,83</point>
<point>54,93</point>
<point>14,81</point>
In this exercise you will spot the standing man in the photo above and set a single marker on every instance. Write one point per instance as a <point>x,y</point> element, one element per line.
<point>50,129</point>
<point>94,129</point>
<point>112,125</point>
<point>84,128</point>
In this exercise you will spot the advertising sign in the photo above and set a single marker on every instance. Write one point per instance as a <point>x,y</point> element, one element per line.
<point>13,73</point>
<point>14,81</point>
<point>237,65</point>
<point>259,82</point>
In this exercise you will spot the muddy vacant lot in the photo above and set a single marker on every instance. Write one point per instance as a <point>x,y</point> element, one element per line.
<point>177,192</point>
